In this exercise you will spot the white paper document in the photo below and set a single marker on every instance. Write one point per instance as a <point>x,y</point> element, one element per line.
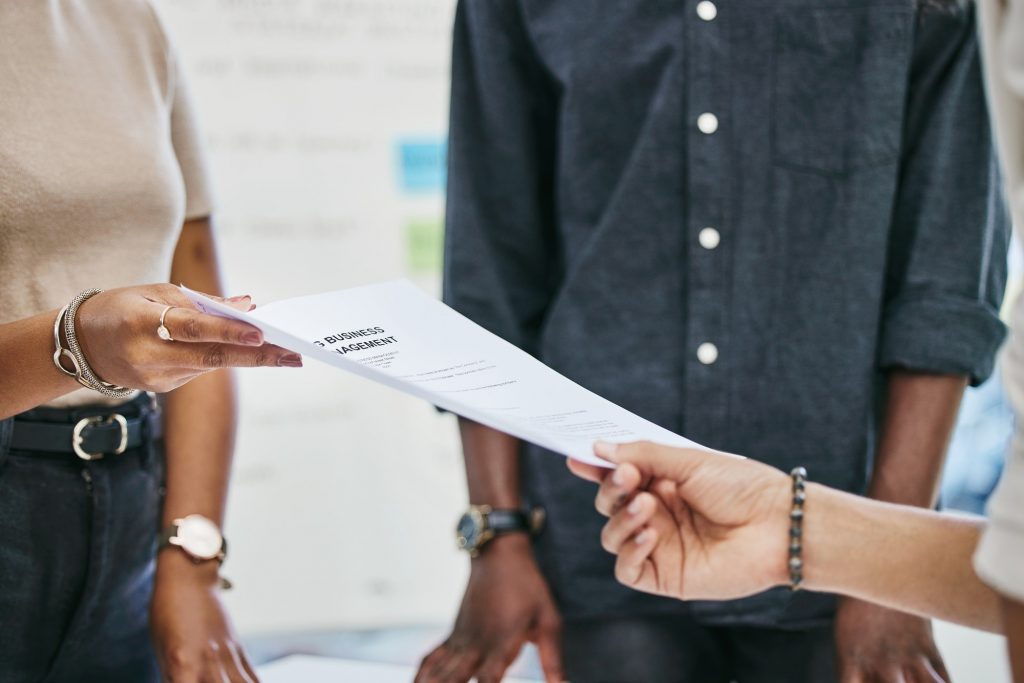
<point>395,334</point>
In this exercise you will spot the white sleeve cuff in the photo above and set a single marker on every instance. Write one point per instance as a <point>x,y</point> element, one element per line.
<point>999,559</point>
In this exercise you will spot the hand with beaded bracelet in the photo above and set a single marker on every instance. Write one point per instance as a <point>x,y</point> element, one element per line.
<point>704,525</point>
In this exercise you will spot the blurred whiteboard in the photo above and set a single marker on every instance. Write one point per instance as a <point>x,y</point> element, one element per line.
<point>326,122</point>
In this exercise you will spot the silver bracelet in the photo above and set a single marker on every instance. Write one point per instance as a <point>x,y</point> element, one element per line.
<point>59,351</point>
<point>83,373</point>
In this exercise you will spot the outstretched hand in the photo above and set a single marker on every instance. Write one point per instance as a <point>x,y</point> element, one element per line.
<point>118,333</point>
<point>691,524</point>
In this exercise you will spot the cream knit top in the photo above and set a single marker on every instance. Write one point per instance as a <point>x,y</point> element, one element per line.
<point>100,162</point>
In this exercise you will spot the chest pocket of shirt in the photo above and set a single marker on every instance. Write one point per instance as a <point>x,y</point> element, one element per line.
<point>839,86</point>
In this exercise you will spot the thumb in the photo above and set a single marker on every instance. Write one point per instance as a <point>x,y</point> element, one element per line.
<point>176,296</point>
<point>239,303</point>
<point>677,464</point>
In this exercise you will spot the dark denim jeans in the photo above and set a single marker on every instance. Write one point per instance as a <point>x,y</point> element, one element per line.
<point>77,558</point>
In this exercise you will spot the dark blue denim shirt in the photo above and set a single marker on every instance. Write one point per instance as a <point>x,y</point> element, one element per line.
<point>729,222</point>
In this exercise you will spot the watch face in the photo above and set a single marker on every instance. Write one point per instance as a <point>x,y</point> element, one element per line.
<point>468,532</point>
<point>200,537</point>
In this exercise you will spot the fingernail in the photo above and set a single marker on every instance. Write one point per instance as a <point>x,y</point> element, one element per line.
<point>254,338</point>
<point>292,360</point>
<point>618,478</point>
<point>642,537</point>
<point>634,507</point>
<point>604,449</point>
<point>238,299</point>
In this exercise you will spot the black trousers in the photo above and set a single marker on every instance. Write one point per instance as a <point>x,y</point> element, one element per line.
<point>678,650</point>
<point>77,557</point>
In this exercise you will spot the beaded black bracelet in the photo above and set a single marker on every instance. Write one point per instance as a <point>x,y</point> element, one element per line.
<point>796,529</point>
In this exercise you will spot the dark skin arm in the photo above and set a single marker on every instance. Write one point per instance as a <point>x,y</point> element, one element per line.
<point>492,465</point>
<point>507,602</point>
<point>875,643</point>
<point>117,332</point>
<point>1013,622</point>
<point>26,364</point>
<point>194,636</point>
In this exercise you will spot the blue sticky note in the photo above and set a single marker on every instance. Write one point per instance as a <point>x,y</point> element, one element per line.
<point>422,165</point>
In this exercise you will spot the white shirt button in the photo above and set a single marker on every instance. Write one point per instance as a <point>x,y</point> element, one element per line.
<point>707,353</point>
<point>707,10</point>
<point>709,238</point>
<point>707,123</point>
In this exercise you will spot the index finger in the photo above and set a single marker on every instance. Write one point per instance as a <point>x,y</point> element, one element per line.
<point>616,489</point>
<point>190,325</point>
<point>458,667</point>
<point>232,665</point>
<point>589,472</point>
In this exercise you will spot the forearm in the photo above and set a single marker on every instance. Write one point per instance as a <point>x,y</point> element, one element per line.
<point>920,415</point>
<point>199,420</point>
<point>492,465</point>
<point>910,559</point>
<point>200,434</point>
<point>28,377</point>
<point>1013,622</point>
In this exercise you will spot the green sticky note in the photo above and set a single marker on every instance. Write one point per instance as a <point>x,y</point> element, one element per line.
<point>424,245</point>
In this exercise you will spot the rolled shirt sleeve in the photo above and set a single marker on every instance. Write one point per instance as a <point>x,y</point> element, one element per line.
<point>946,269</point>
<point>501,260</point>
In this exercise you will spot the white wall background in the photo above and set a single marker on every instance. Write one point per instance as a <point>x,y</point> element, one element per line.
<point>345,493</point>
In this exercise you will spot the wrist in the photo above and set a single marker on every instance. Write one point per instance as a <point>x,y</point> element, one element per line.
<point>197,537</point>
<point>504,548</point>
<point>784,533</point>
<point>174,565</point>
<point>834,528</point>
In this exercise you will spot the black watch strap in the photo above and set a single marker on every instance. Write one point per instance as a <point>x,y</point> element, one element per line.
<point>505,521</point>
<point>166,535</point>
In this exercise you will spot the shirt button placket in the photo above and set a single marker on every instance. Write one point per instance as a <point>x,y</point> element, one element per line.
<point>707,10</point>
<point>709,238</point>
<point>707,353</point>
<point>706,289</point>
<point>707,123</point>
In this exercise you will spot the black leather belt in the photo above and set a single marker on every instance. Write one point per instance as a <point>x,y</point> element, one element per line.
<point>91,437</point>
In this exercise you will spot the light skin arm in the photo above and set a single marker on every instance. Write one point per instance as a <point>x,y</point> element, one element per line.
<point>919,418</point>
<point>711,526</point>
<point>910,559</point>
<point>194,635</point>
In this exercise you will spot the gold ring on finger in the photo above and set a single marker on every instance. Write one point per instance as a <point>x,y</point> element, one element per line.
<point>162,330</point>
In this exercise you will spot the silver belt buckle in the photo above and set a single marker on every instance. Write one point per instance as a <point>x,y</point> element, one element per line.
<point>77,439</point>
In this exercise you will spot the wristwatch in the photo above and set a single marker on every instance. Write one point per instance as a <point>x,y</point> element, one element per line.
<point>198,537</point>
<point>482,523</point>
